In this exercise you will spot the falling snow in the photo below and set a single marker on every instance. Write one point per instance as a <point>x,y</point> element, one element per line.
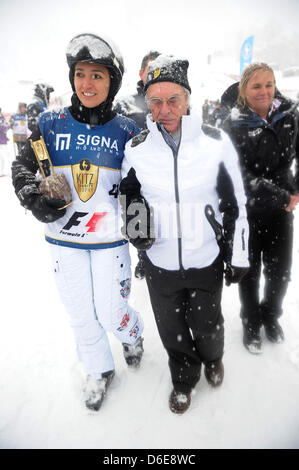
<point>41,380</point>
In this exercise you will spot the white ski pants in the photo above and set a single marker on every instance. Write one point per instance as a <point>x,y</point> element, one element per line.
<point>94,286</point>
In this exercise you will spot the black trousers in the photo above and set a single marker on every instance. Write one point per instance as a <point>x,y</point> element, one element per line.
<point>187,309</point>
<point>270,245</point>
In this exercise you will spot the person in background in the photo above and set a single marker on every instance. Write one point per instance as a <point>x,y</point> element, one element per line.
<point>263,125</point>
<point>4,126</point>
<point>175,172</point>
<point>212,107</point>
<point>40,103</point>
<point>90,257</point>
<point>135,107</point>
<point>18,123</point>
<point>218,115</point>
<point>205,111</point>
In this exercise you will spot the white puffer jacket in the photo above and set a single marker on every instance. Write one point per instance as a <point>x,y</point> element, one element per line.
<point>179,185</point>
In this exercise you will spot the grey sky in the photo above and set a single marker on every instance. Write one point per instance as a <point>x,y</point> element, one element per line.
<point>34,33</point>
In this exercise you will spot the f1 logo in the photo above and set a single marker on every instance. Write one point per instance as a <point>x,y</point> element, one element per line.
<point>94,223</point>
<point>63,141</point>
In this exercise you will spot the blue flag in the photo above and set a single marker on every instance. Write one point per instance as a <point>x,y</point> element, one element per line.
<point>246,53</point>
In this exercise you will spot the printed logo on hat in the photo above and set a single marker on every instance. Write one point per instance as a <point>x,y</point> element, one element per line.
<point>157,73</point>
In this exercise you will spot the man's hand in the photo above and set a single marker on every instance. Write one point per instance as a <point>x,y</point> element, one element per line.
<point>234,274</point>
<point>138,221</point>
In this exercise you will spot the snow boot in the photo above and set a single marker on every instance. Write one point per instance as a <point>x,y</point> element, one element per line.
<point>274,332</point>
<point>179,402</point>
<point>214,374</point>
<point>95,390</point>
<point>252,339</point>
<point>133,352</point>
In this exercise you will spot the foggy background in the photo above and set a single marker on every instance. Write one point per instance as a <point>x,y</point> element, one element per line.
<point>40,393</point>
<point>35,34</point>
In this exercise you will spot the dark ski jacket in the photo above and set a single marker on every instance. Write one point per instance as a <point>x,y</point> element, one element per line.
<point>134,106</point>
<point>267,150</point>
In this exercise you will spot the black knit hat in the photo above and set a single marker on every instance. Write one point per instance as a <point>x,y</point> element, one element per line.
<point>168,69</point>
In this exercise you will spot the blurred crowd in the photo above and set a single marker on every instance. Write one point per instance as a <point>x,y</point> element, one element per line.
<point>21,123</point>
<point>213,113</point>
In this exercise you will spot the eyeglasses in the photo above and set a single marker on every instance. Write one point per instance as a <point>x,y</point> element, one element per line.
<point>173,101</point>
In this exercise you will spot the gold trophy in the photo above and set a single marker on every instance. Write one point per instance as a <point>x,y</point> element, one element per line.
<point>53,185</point>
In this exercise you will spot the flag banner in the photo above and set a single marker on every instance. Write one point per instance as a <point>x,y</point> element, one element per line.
<point>246,53</point>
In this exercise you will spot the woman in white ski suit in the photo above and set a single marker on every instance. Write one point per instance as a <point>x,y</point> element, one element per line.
<point>90,256</point>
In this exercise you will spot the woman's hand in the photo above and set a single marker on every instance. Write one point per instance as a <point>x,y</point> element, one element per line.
<point>293,202</point>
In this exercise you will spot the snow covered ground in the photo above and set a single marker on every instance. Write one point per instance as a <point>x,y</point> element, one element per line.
<point>40,400</point>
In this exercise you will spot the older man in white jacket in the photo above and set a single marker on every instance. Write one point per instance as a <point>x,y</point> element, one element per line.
<point>184,177</point>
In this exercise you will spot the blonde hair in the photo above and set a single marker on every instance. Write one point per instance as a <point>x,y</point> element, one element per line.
<point>246,76</point>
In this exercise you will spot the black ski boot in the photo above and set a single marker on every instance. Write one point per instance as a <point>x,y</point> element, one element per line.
<point>214,374</point>
<point>133,352</point>
<point>179,402</point>
<point>251,338</point>
<point>273,331</point>
<point>95,390</point>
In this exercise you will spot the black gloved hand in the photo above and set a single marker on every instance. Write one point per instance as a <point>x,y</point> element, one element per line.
<point>138,224</point>
<point>142,243</point>
<point>234,274</point>
<point>45,208</point>
<point>130,186</point>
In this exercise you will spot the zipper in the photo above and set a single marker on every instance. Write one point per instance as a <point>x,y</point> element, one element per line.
<point>177,200</point>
